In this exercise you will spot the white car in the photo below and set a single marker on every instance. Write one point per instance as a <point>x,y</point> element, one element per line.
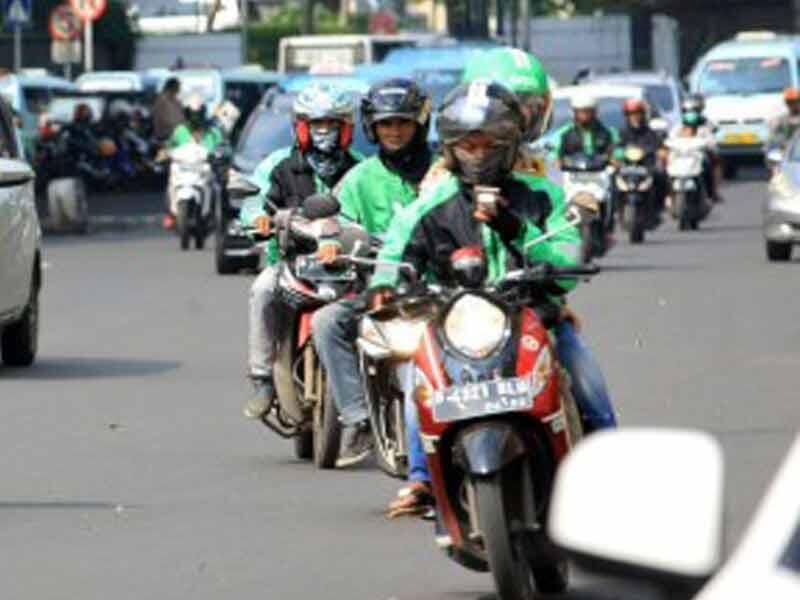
<point>20,250</point>
<point>658,516</point>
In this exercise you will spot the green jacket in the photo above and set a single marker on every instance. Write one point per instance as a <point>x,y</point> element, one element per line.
<point>423,232</point>
<point>371,195</point>
<point>212,137</point>
<point>596,139</point>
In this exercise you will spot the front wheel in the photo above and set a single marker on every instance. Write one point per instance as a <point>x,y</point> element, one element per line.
<point>304,445</point>
<point>512,576</point>
<point>635,219</point>
<point>778,251</point>
<point>19,342</point>
<point>327,432</point>
<point>182,225</point>
<point>225,264</point>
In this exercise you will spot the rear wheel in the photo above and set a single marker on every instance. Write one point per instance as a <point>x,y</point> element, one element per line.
<point>182,225</point>
<point>225,265</point>
<point>512,576</point>
<point>778,251</point>
<point>19,341</point>
<point>327,433</point>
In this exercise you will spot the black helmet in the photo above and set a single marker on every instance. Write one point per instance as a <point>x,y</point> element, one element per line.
<point>481,106</point>
<point>395,98</point>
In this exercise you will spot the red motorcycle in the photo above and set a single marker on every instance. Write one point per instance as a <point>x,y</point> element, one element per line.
<point>496,414</point>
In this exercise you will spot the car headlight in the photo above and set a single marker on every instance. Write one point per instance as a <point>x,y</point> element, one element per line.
<point>621,184</point>
<point>400,337</point>
<point>645,185</point>
<point>475,327</point>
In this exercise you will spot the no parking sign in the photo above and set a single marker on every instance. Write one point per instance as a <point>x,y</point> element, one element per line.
<point>64,24</point>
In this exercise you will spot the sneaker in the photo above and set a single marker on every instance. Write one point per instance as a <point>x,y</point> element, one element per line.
<point>263,391</point>
<point>357,445</point>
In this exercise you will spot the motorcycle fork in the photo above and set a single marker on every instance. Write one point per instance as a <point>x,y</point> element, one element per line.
<point>313,379</point>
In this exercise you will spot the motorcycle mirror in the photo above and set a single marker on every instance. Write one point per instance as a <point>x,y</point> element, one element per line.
<point>468,265</point>
<point>239,187</point>
<point>657,515</point>
<point>320,206</point>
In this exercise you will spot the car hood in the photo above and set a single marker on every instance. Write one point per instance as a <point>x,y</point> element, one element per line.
<point>760,106</point>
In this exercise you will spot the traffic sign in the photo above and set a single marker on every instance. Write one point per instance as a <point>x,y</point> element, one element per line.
<point>64,24</point>
<point>89,10</point>
<point>17,12</point>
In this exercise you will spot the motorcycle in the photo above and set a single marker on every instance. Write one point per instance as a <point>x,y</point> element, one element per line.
<point>634,182</point>
<point>495,409</point>
<point>689,198</point>
<point>303,410</point>
<point>194,191</point>
<point>589,178</point>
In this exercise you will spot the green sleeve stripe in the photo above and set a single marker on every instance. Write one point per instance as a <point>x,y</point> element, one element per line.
<point>402,230</point>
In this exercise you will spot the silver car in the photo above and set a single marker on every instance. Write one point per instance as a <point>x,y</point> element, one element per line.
<point>782,208</point>
<point>20,250</point>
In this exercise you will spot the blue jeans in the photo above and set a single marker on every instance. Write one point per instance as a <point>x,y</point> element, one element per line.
<point>588,387</point>
<point>335,331</point>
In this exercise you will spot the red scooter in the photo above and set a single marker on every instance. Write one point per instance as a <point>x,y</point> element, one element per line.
<point>496,415</point>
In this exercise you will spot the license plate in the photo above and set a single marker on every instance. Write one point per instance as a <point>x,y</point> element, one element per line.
<point>472,400</point>
<point>741,139</point>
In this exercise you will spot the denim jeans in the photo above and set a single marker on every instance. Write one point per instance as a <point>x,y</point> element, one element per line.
<point>588,387</point>
<point>335,330</point>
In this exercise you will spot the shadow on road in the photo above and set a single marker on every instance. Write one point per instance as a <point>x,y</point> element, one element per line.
<point>644,268</point>
<point>90,368</point>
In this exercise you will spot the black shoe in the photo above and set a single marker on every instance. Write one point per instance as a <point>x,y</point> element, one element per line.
<point>357,445</point>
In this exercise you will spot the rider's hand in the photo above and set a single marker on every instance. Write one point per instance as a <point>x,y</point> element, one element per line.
<point>567,314</point>
<point>263,224</point>
<point>377,298</point>
<point>328,253</point>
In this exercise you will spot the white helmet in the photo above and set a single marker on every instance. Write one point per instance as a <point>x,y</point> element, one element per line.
<point>583,101</point>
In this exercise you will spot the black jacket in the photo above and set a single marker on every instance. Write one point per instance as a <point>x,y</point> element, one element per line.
<point>650,141</point>
<point>571,140</point>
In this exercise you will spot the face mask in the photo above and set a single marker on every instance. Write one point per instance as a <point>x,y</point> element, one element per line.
<point>488,169</point>
<point>325,140</point>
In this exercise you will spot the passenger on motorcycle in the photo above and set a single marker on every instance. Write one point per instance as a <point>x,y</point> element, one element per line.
<point>694,124</point>
<point>586,134</point>
<point>637,131</point>
<point>323,118</point>
<point>783,128</point>
<point>524,75</point>
<point>395,115</point>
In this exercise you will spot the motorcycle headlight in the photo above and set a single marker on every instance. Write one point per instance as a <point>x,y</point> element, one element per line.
<point>621,184</point>
<point>401,337</point>
<point>689,184</point>
<point>646,183</point>
<point>475,327</point>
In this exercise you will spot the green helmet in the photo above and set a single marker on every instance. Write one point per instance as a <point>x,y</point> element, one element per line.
<point>523,74</point>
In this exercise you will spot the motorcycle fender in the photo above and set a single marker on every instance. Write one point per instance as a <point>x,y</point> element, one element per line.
<point>485,448</point>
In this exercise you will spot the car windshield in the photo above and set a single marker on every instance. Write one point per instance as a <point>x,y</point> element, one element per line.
<point>271,129</point>
<point>745,76</point>
<point>609,111</point>
<point>437,82</point>
<point>660,97</point>
<point>204,85</point>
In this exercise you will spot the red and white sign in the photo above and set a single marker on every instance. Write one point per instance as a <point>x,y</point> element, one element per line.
<point>64,24</point>
<point>382,22</point>
<point>89,10</point>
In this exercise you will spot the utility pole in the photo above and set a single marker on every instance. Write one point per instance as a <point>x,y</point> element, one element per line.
<point>243,18</point>
<point>526,24</point>
<point>17,48</point>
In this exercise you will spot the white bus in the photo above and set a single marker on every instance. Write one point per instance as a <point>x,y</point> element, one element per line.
<point>305,52</point>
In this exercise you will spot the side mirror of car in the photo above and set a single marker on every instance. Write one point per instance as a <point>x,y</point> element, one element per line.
<point>774,157</point>
<point>643,504</point>
<point>239,187</point>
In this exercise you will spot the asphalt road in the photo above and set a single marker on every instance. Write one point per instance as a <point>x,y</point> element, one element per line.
<point>128,472</point>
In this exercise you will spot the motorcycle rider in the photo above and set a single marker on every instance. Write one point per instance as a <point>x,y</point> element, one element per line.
<point>637,132</point>
<point>167,110</point>
<point>396,116</point>
<point>323,117</point>
<point>694,124</point>
<point>524,75</point>
<point>196,128</point>
<point>783,128</point>
<point>481,127</point>
<point>586,134</point>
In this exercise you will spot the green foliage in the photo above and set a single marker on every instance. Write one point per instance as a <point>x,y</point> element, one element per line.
<point>263,38</point>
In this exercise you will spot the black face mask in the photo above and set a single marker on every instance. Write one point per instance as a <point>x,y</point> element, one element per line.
<point>410,162</point>
<point>488,170</point>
